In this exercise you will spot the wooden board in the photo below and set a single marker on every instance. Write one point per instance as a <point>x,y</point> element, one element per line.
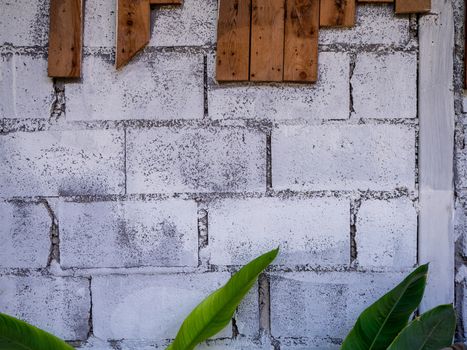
<point>267,40</point>
<point>133,29</point>
<point>412,6</point>
<point>233,40</point>
<point>337,13</point>
<point>65,38</point>
<point>301,41</point>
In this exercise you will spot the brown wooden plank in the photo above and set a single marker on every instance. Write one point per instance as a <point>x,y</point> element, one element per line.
<point>412,6</point>
<point>267,40</point>
<point>337,13</point>
<point>133,29</point>
<point>301,41</point>
<point>65,38</point>
<point>165,2</point>
<point>233,40</point>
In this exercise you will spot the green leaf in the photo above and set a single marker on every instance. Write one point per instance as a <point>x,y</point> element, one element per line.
<point>18,335</point>
<point>216,311</point>
<point>380,323</point>
<point>434,330</point>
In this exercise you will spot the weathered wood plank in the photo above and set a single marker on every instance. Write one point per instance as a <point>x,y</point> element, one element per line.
<point>436,148</point>
<point>267,40</point>
<point>133,29</point>
<point>301,41</point>
<point>233,40</point>
<point>337,13</point>
<point>65,38</point>
<point>412,6</point>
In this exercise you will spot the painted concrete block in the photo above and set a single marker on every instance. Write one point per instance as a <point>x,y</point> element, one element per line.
<point>195,160</point>
<point>128,234</point>
<point>308,231</point>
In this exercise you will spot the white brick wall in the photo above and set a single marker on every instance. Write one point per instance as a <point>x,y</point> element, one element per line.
<point>158,179</point>
<point>309,231</point>
<point>376,25</point>
<point>196,160</point>
<point>247,316</point>
<point>152,86</point>
<point>57,304</point>
<point>25,235</point>
<point>385,86</point>
<point>191,24</point>
<point>24,22</point>
<point>153,233</point>
<point>387,234</point>
<point>327,99</point>
<point>27,93</point>
<point>323,305</point>
<point>62,163</point>
<point>375,157</point>
<point>149,307</point>
<point>100,23</point>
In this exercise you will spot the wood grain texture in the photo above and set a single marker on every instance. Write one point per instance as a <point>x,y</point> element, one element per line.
<point>436,153</point>
<point>337,13</point>
<point>133,29</point>
<point>301,41</point>
<point>267,40</point>
<point>165,2</point>
<point>65,38</point>
<point>412,6</point>
<point>233,40</point>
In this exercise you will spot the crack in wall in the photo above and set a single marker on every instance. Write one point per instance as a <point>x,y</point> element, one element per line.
<point>125,160</point>
<point>264,301</point>
<point>90,320</point>
<point>264,304</point>
<point>269,162</point>
<point>355,205</point>
<point>353,60</point>
<point>235,332</point>
<point>54,254</point>
<point>205,86</point>
<point>203,236</point>
<point>57,109</point>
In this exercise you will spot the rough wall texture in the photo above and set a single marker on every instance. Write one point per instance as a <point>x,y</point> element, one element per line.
<point>461,172</point>
<point>126,197</point>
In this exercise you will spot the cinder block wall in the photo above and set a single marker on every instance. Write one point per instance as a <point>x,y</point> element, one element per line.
<point>126,197</point>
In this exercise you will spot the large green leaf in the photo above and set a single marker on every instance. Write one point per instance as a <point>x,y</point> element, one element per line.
<point>216,311</point>
<point>380,323</point>
<point>18,335</point>
<point>433,330</point>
